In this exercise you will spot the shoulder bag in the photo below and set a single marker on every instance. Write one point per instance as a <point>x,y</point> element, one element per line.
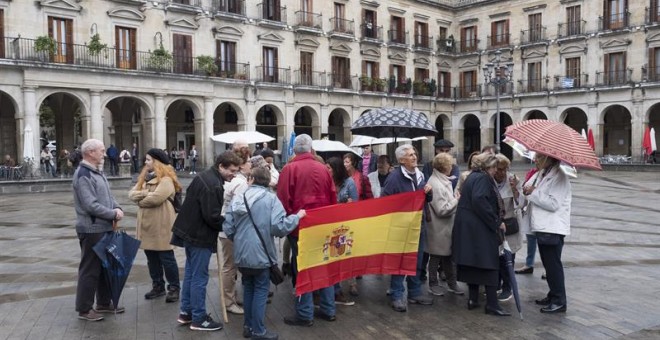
<point>276,275</point>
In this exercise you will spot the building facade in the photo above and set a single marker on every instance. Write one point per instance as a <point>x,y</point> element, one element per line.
<point>169,74</point>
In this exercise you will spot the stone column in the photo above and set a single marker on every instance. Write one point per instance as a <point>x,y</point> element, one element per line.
<point>96,115</point>
<point>31,120</point>
<point>203,139</point>
<point>160,127</point>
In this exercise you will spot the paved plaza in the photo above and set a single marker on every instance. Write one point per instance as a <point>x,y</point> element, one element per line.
<point>612,262</point>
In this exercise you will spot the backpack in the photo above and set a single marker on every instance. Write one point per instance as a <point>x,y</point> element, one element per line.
<point>177,201</point>
<point>126,157</point>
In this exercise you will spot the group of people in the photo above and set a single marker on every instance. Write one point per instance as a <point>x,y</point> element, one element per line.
<point>245,202</point>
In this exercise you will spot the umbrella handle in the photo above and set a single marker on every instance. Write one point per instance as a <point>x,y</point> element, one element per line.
<point>115,225</point>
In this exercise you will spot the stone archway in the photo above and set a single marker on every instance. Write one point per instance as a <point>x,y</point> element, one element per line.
<point>654,120</point>
<point>339,126</point>
<point>303,122</point>
<point>535,114</point>
<point>126,125</point>
<point>8,128</point>
<point>575,118</point>
<point>443,125</point>
<point>617,131</point>
<point>270,121</point>
<point>505,121</point>
<point>61,119</point>
<point>226,117</point>
<point>182,127</point>
<point>471,135</point>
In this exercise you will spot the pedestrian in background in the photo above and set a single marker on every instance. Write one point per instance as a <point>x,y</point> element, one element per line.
<point>135,158</point>
<point>154,193</point>
<point>113,157</point>
<point>193,159</point>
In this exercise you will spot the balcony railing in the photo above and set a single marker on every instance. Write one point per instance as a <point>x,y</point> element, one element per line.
<point>568,83</point>
<point>373,84</point>
<point>652,15</point>
<point>230,6</point>
<point>369,32</point>
<point>505,89</point>
<point>468,46</point>
<point>310,78</point>
<point>277,75</point>
<point>571,28</point>
<point>533,35</point>
<point>423,42</point>
<point>227,70</point>
<point>446,45</point>
<point>468,92</point>
<point>424,87</point>
<point>611,78</point>
<point>445,92</point>
<point>499,40</point>
<point>195,3</point>
<point>533,85</point>
<point>343,26</point>
<point>397,37</point>
<point>342,81</point>
<point>272,13</point>
<point>615,21</point>
<point>308,19</point>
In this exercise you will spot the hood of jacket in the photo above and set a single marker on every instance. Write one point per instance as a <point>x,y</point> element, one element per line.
<point>252,194</point>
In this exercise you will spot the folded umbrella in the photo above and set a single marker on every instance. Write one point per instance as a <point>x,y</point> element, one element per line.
<point>508,258</point>
<point>117,251</point>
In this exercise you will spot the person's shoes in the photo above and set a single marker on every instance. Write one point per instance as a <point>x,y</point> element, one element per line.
<point>455,290</point>
<point>543,277</point>
<point>436,290</point>
<point>247,332</point>
<point>553,308</point>
<point>235,309</point>
<point>505,295</point>
<point>207,325</point>
<point>388,292</point>
<point>155,292</point>
<point>353,290</point>
<point>172,295</point>
<point>400,305</point>
<point>496,311</point>
<point>320,315</point>
<point>268,335</point>
<point>421,300</point>
<point>109,309</point>
<point>472,304</point>
<point>341,299</point>
<point>423,278</point>
<point>270,294</point>
<point>286,269</point>
<point>91,315</point>
<point>191,173</point>
<point>184,318</point>
<point>543,302</point>
<point>525,270</point>
<point>443,277</point>
<point>294,321</point>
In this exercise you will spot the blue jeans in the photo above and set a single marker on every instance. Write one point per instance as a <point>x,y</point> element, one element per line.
<point>414,282</point>
<point>195,279</point>
<point>305,303</point>
<point>531,250</point>
<point>255,296</point>
<point>193,165</point>
<point>163,261</point>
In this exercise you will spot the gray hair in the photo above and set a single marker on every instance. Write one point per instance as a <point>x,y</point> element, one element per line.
<point>91,145</point>
<point>400,152</point>
<point>258,162</point>
<point>261,176</point>
<point>303,144</point>
<point>484,161</point>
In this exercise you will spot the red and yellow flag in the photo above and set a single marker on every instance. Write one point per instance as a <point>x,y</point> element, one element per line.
<point>379,236</point>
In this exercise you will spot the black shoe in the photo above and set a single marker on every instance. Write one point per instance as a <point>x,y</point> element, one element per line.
<point>543,277</point>
<point>496,311</point>
<point>207,325</point>
<point>326,317</point>
<point>553,308</point>
<point>543,302</point>
<point>294,321</point>
<point>525,270</point>
<point>172,295</point>
<point>267,336</point>
<point>155,292</point>
<point>247,332</point>
<point>473,304</point>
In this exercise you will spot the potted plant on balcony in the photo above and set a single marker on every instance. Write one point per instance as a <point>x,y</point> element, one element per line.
<point>380,84</point>
<point>160,59</point>
<point>366,83</point>
<point>206,64</point>
<point>94,49</point>
<point>45,46</point>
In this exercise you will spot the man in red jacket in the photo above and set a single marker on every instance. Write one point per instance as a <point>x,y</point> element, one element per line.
<point>305,183</point>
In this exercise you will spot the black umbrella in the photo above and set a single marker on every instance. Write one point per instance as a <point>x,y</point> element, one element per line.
<point>393,122</point>
<point>117,251</point>
<point>508,259</point>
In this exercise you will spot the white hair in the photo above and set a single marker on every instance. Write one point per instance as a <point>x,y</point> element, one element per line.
<point>91,145</point>
<point>400,152</point>
<point>302,144</point>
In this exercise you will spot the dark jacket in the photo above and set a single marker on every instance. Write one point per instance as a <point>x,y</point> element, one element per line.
<point>200,218</point>
<point>428,171</point>
<point>373,163</point>
<point>475,242</point>
<point>398,182</point>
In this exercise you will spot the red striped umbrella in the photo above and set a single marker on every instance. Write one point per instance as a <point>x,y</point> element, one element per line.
<point>556,140</point>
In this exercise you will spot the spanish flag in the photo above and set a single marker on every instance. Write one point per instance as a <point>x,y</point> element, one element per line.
<point>378,236</point>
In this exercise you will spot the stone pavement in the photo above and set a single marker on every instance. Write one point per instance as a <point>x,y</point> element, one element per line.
<point>612,273</point>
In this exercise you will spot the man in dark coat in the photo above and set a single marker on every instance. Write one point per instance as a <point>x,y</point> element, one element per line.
<point>113,157</point>
<point>135,158</point>
<point>196,229</point>
<point>408,178</point>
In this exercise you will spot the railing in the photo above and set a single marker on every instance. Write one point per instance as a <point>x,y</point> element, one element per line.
<point>423,41</point>
<point>533,35</point>
<point>505,89</point>
<point>370,32</point>
<point>229,6</point>
<point>567,83</point>
<point>446,45</point>
<point>308,19</point>
<point>270,12</point>
<point>373,84</point>
<point>402,86</point>
<point>615,21</point>
<point>653,74</point>
<point>310,78</point>
<point>499,40</point>
<point>468,46</point>
<point>340,25</point>
<point>277,75</point>
<point>445,92</point>
<point>397,37</point>
<point>652,15</point>
<point>424,87</point>
<point>341,81</point>
<point>533,85</point>
<point>621,77</point>
<point>227,70</point>
<point>468,92</point>
<point>195,3</point>
<point>571,28</point>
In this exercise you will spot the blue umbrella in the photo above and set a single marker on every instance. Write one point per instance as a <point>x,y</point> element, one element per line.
<point>289,150</point>
<point>117,251</point>
<point>508,261</point>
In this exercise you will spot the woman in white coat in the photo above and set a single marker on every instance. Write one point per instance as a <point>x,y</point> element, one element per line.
<point>550,212</point>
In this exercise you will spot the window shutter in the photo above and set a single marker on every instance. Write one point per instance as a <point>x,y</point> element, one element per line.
<point>506,31</point>
<point>69,41</point>
<point>652,72</point>
<point>2,34</point>
<point>402,30</point>
<point>376,70</point>
<point>606,14</point>
<point>133,47</point>
<point>493,33</point>
<point>653,10</point>
<point>364,68</point>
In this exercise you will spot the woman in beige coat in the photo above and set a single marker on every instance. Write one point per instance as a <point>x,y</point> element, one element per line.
<point>442,211</point>
<point>156,186</point>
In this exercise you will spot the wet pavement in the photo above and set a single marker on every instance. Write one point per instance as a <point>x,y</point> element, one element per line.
<point>612,262</point>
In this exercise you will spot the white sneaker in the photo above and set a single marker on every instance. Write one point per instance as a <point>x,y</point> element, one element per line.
<point>191,172</point>
<point>235,309</point>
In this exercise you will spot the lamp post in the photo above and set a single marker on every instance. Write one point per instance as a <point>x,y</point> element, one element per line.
<point>498,75</point>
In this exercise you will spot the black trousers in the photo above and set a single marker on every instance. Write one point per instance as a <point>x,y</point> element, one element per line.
<point>550,247</point>
<point>91,277</point>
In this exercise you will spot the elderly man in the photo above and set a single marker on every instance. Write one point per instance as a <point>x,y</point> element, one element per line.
<point>96,209</point>
<point>305,183</point>
<point>196,229</point>
<point>404,179</point>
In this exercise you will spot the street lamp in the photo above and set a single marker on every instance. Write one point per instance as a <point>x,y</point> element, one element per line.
<point>498,75</point>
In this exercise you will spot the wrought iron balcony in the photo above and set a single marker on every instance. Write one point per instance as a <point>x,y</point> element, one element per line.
<point>369,32</point>
<point>571,28</point>
<point>505,89</point>
<point>468,46</point>
<point>617,21</point>
<point>342,81</point>
<point>342,26</point>
<point>533,85</point>
<point>425,87</point>
<point>423,42</point>
<point>533,35</point>
<point>468,92</point>
<point>446,45</point>
<point>270,12</point>
<point>613,78</point>
<point>397,37</point>
<point>194,3</point>
<point>445,92</point>
<point>563,83</point>
<point>235,7</point>
<point>308,20</point>
<point>373,84</point>
<point>499,40</point>
<point>278,75</point>
<point>310,78</point>
<point>652,15</point>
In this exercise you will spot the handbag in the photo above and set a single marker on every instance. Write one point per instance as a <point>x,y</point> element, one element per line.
<point>276,275</point>
<point>512,226</point>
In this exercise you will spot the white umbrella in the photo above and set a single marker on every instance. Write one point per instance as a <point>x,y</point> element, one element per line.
<point>250,137</point>
<point>654,145</point>
<point>325,145</point>
<point>28,144</point>
<point>583,134</point>
<point>359,140</point>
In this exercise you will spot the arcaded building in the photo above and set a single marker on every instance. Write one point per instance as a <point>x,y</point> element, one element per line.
<point>174,73</point>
